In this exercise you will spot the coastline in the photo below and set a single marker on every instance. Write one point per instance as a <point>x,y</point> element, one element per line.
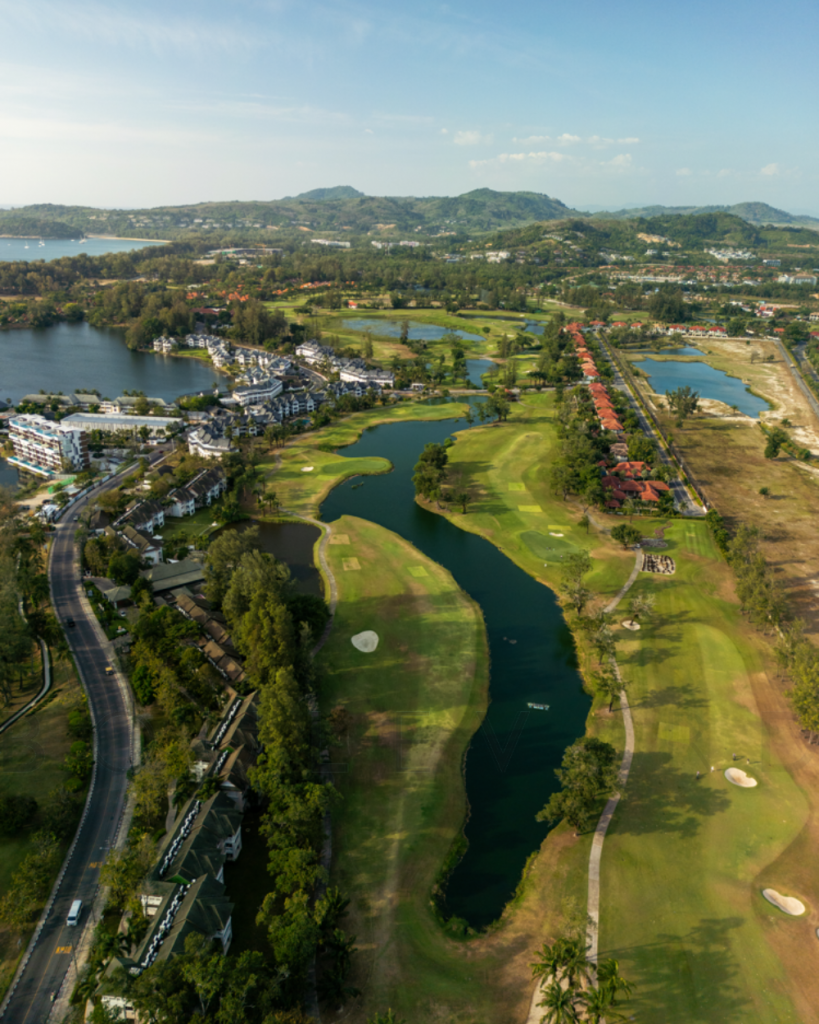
<point>128,238</point>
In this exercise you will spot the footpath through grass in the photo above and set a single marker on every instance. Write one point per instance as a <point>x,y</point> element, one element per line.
<point>685,859</point>
<point>410,709</point>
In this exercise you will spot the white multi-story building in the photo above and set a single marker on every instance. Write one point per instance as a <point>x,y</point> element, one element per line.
<point>262,391</point>
<point>46,447</point>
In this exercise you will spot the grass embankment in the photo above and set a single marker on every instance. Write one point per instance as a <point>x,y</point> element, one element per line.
<point>685,859</point>
<point>411,708</point>
<point>302,490</point>
<point>26,685</point>
<point>32,752</point>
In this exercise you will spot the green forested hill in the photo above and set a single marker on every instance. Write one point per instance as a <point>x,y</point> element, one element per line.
<point>341,209</point>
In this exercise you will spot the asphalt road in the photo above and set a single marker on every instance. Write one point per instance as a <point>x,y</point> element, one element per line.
<point>57,943</point>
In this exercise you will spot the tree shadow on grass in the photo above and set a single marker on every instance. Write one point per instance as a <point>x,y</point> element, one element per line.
<point>661,798</point>
<point>687,978</point>
<point>681,696</point>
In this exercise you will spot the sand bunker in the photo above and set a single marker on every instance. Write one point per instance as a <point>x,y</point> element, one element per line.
<point>552,534</point>
<point>366,641</point>
<point>631,624</point>
<point>788,904</point>
<point>307,469</point>
<point>740,778</point>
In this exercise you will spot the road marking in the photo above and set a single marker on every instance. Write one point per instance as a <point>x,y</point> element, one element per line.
<point>63,949</point>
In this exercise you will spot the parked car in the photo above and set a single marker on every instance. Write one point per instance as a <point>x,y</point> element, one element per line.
<point>70,622</point>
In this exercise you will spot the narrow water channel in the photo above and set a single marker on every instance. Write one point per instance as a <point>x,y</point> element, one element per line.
<point>511,760</point>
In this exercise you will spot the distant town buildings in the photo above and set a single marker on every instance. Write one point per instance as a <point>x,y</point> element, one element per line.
<point>47,448</point>
<point>796,278</point>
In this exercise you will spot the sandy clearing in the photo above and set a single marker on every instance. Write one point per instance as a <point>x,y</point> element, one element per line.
<point>350,564</point>
<point>339,538</point>
<point>366,641</point>
<point>737,777</point>
<point>307,469</point>
<point>787,904</point>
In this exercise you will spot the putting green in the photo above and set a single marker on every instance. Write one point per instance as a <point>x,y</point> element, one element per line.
<point>529,508</point>
<point>418,571</point>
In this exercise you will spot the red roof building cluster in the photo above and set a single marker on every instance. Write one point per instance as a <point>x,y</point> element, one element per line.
<point>587,363</point>
<point>605,408</point>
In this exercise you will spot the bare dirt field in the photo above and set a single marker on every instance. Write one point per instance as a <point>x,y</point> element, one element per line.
<point>725,454</point>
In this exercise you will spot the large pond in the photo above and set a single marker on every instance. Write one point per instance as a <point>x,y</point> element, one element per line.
<point>669,374</point>
<point>69,356</point>
<point>30,249</point>
<point>511,761</point>
<point>417,332</point>
<point>291,543</point>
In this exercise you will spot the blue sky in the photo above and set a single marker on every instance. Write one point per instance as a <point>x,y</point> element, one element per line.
<point>124,104</point>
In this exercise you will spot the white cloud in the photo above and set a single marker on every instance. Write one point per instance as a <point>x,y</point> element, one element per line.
<point>622,160</point>
<point>369,131</point>
<point>445,131</point>
<point>770,170</point>
<point>519,158</point>
<point>533,140</point>
<point>684,172</point>
<point>567,140</point>
<point>470,138</point>
<point>724,173</point>
<point>628,142</point>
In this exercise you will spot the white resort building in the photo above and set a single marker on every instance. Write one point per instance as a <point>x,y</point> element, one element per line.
<point>46,447</point>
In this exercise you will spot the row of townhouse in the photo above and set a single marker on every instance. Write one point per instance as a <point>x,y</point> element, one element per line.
<point>184,893</point>
<point>200,492</point>
<point>352,370</point>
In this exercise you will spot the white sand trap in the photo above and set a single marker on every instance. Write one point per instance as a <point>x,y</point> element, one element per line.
<point>551,534</point>
<point>740,778</point>
<point>787,904</point>
<point>307,469</point>
<point>366,641</point>
<point>631,624</point>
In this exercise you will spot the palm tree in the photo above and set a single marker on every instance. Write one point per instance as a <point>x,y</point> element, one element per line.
<point>608,976</point>
<point>560,1005</point>
<point>598,1005</point>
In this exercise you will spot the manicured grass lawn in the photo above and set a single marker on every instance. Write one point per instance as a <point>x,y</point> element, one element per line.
<point>190,527</point>
<point>685,860</point>
<point>303,491</point>
<point>411,709</point>
<point>506,468</point>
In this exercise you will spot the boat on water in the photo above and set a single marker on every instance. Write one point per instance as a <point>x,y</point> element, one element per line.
<point>537,707</point>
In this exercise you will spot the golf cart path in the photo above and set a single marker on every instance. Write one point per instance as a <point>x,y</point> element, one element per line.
<point>593,899</point>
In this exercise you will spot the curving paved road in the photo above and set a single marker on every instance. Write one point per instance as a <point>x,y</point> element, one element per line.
<point>54,946</point>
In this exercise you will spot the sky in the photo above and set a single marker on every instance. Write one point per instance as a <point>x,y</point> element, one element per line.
<point>134,104</point>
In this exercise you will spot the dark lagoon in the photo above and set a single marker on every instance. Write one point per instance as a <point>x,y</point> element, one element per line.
<point>30,249</point>
<point>511,760</point>
<point>291,543</point>
<point>669,374</point>
<point>69,356</point>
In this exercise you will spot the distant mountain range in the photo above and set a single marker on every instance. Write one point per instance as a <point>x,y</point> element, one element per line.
<point>754,213</point>
<point>346,213</point>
